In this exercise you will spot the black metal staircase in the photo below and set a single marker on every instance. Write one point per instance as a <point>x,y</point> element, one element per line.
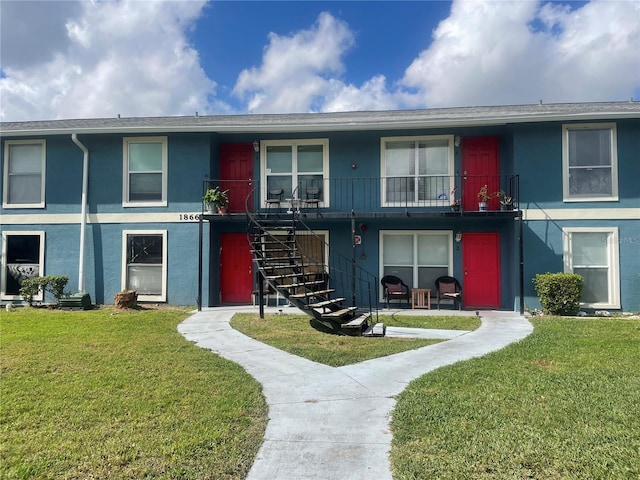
<point>316,285</point>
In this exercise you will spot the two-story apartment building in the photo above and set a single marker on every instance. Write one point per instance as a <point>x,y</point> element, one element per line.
<point>116,203</point>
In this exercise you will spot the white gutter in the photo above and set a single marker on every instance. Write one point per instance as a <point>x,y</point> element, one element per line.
<point>83,219</point>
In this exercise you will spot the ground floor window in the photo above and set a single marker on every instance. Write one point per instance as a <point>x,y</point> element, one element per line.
<point>145,264</point>
<point>593,253</point>
<point>22,258</point>
<point>418,258</point>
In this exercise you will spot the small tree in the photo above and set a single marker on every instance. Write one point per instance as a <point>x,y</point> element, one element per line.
<point>53,284</point>
<point>559,293</point>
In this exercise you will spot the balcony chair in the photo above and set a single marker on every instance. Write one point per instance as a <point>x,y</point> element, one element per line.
<point>274,197</point>
<point>449,288</point>
<point>312,197</point>
<point>393,288</point>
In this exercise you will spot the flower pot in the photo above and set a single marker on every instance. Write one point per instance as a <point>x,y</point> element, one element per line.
<point>506,208</point>
<point>209,208</point>
<point>482,206</point>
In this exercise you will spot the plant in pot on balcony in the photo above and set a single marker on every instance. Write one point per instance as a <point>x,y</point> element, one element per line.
<point>483,197</point>
<point>455,202</point>
<point>216,199</point>
<point>506,200</point>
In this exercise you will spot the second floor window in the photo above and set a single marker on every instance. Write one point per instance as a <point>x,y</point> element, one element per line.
<point>24,174</point>
<point>590,162</point>
<point>145,171</point>
<point>417,170</point>
<point>297,167</point>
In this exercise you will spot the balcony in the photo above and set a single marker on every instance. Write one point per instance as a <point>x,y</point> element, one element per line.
<point>418,196</point>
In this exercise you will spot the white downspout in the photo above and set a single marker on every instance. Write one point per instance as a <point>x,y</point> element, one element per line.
<point>83,219</point>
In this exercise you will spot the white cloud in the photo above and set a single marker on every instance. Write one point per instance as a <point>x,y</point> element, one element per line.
<point>129,57</point>
<point>487,52</point>
<point>297,70</point>
<point>125,57</point>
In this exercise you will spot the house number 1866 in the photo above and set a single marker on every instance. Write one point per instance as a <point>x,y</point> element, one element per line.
<point>189,217</point>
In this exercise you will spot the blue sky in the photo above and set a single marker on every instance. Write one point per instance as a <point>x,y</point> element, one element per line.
<point>80,59</point>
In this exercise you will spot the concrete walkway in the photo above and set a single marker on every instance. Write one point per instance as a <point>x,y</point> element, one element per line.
<point>333,423</point>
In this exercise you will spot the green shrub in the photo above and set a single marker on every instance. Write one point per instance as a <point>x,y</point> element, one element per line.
<point>559,293</point>
<point>53,284</point>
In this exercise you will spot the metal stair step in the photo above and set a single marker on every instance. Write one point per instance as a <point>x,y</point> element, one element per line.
<point>357,322</point>
<point>340,313</point>
<point>326,303</point>
<point>304,284</point>
<point>377,330</point>
<point>312,293</point>
<point>284,275</point>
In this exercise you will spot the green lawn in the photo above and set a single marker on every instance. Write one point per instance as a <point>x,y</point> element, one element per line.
<point>104,394</point>
<point>562,403</point>
<point>294,334</point>
<point>121,395</point>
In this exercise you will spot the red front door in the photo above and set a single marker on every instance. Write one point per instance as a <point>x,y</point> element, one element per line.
<point>481,265</point>
<point>479,168</point>
<point>236,268</point>
<point>236,172</point>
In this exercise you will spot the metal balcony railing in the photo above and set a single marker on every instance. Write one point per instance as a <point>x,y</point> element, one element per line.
<point>426,193</point>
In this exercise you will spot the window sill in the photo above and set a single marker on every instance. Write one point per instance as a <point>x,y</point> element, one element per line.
<point>590,199</point>
<point>144,204</point>
<point>8,206</point>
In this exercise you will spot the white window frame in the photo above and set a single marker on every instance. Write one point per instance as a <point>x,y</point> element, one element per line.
<point>163,233</point>
<point>418,203</point>
<point>3,295</point>
<point>613,259</point>
<point>125,171</point>
<point>416,265</point>
<point>43,170</point>
<point>326,194</point>
<point>566,128</point>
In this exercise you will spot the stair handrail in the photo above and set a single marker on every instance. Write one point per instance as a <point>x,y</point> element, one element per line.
<point>334,268</point>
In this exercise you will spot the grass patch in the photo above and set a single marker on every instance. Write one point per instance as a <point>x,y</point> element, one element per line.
<point>562,403</point>
<point>294,334</point>
<point>121,394</point>
<point>467,322</point>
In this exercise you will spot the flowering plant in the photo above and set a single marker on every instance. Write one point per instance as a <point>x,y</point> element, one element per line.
<point>455,202</point>
<point>484,195</point>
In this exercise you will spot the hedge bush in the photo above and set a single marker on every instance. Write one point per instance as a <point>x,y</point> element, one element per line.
<point>53,284</point>
<point>559,293</point>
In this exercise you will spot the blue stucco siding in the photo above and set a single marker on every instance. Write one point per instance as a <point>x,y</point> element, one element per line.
<point>103,257</point>
<point>188,164</point>
<point>367,254</point>
<point>629,163</point>
<point>543,244</point>
<point>537,151</point>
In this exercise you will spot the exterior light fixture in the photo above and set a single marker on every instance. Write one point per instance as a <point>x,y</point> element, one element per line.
<point>256,146</point>
<point>456,140</point>
<point>458,237</point>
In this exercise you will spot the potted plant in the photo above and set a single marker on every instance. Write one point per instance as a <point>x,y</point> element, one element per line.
<point>455,202</point>
<point>216,199</point>
<point>506,200</point>
<point>483,197</point>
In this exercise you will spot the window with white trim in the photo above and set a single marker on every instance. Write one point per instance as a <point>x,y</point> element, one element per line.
<point>593,253</point>
<point>24,173</point>
<point>296,167</point>
<point>145,171</point>
<point>417,171</point>
<point>590,162</point>
<point>145,263</point>
<point>418,257</point>
<point>22,258</point>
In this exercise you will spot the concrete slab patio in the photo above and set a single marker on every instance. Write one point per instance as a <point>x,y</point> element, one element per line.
<point>333,423</point>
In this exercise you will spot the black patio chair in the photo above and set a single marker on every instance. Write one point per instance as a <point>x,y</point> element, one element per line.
<point>393,288</point>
